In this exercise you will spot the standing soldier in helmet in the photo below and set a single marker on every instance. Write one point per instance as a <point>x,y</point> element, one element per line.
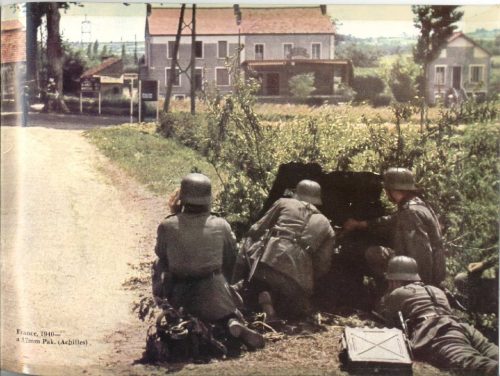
<point>435,335</point>
<point>196,252</point>
<point>412,231</point>
<point>286,250</point>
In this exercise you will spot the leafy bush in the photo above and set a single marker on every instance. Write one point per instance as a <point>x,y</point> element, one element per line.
<point>190,130</point>
<point>367,87</point>
<point>361,55</point>
<point>401,77</point>
<point>381,100</point>
<point>302,85</point>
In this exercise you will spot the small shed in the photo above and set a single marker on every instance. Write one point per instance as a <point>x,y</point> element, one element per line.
<point>114,81</point>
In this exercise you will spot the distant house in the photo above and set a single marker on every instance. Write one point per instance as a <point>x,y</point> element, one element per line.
<point>461,70</point>
<point>114,81</point>
<point>13,58</point>
<point>278,44</point>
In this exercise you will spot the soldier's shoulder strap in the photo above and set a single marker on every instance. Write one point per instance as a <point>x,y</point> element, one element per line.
<point>440,308</point>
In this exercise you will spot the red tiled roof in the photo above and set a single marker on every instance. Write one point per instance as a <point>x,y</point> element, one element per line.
<point>219,21</point>
<point>13,42</point>
<point>105,64</point>
<point>222,21</point>
<point>308,20</point>
<point>11,25</point>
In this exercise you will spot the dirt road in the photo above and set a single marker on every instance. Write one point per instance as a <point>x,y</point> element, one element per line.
<point>70,226</point>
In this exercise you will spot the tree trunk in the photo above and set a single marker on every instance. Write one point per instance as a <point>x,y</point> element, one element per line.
<point>33,21</point>
<point>55,57</point>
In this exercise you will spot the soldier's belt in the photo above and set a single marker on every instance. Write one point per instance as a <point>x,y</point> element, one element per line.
<point>290,235</point>
<point>195,278</point>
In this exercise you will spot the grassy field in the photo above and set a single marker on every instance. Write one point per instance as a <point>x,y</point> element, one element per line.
<point>156,162</point>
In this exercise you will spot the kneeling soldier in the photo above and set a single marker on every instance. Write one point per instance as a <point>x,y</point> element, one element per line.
<point>196,252</point>
<point>288,248</point>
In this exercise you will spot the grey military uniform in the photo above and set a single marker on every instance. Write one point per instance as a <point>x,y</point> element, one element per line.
<point>414,231</point>
<point>298,251</point>
<point>479,288</point>
<point>196,251</point>
<point>435,334</point>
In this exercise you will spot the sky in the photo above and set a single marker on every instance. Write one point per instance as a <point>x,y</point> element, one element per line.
<point>114,22</point>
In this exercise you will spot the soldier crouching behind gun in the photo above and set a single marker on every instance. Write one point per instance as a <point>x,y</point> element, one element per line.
<point>196,252</point>
<point>286,251</point>
<point>413,230</point>
<point>435,334</point>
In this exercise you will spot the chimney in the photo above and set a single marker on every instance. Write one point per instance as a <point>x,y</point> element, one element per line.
<point>323,9</point>
<point>237,13</point>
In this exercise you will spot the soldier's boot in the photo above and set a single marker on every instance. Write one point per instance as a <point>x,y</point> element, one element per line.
<point>266,302</point>
<point>249,337</point>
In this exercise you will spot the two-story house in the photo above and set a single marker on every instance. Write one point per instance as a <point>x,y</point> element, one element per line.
<point>462,69</point>
<point>278,43</point>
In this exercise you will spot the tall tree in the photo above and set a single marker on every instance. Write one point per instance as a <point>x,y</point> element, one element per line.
<point>35,11</point>
<point>104,51</point>
<point>89,50</point>
<point>95,50</point>
<point>436,24</point>
<point>55,53</point>
<point>124,53</point>
<point>34,14</point>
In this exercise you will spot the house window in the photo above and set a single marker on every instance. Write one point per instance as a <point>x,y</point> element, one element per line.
<point>198,79</point>
<point>170,49</point>
<point>440,75</point>
<point>287,50</point>
<point>177,78</point>
<point>259,52</point>
<point>198,49</point>
<point>222,49</point>
<point>476,74</point>
<point>221,77</point>
<point>316,51</point>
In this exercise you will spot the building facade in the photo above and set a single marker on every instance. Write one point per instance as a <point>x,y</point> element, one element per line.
<point>462,70</point>
<point>13,59</point>
<point>277,44</point>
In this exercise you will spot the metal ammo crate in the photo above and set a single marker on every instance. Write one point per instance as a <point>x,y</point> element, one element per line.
<point>372,351</point>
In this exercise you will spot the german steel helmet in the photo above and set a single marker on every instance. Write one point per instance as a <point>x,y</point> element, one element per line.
<point>400,179</point>
<point>309,191</point>
<point>402,268</point>
<point>196,189</point>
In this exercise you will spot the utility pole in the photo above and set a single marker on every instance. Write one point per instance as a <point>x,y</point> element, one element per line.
<point>237,13</point>
<point>173,64</point>
<point>192,62</point>
<point>191,68</point>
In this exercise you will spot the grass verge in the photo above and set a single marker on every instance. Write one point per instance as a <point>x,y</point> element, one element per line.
<point>156,162</point>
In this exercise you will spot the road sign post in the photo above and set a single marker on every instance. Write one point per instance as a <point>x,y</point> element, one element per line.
<point>140,100</point>
<point>90,85</point>
<point>148,92</point>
